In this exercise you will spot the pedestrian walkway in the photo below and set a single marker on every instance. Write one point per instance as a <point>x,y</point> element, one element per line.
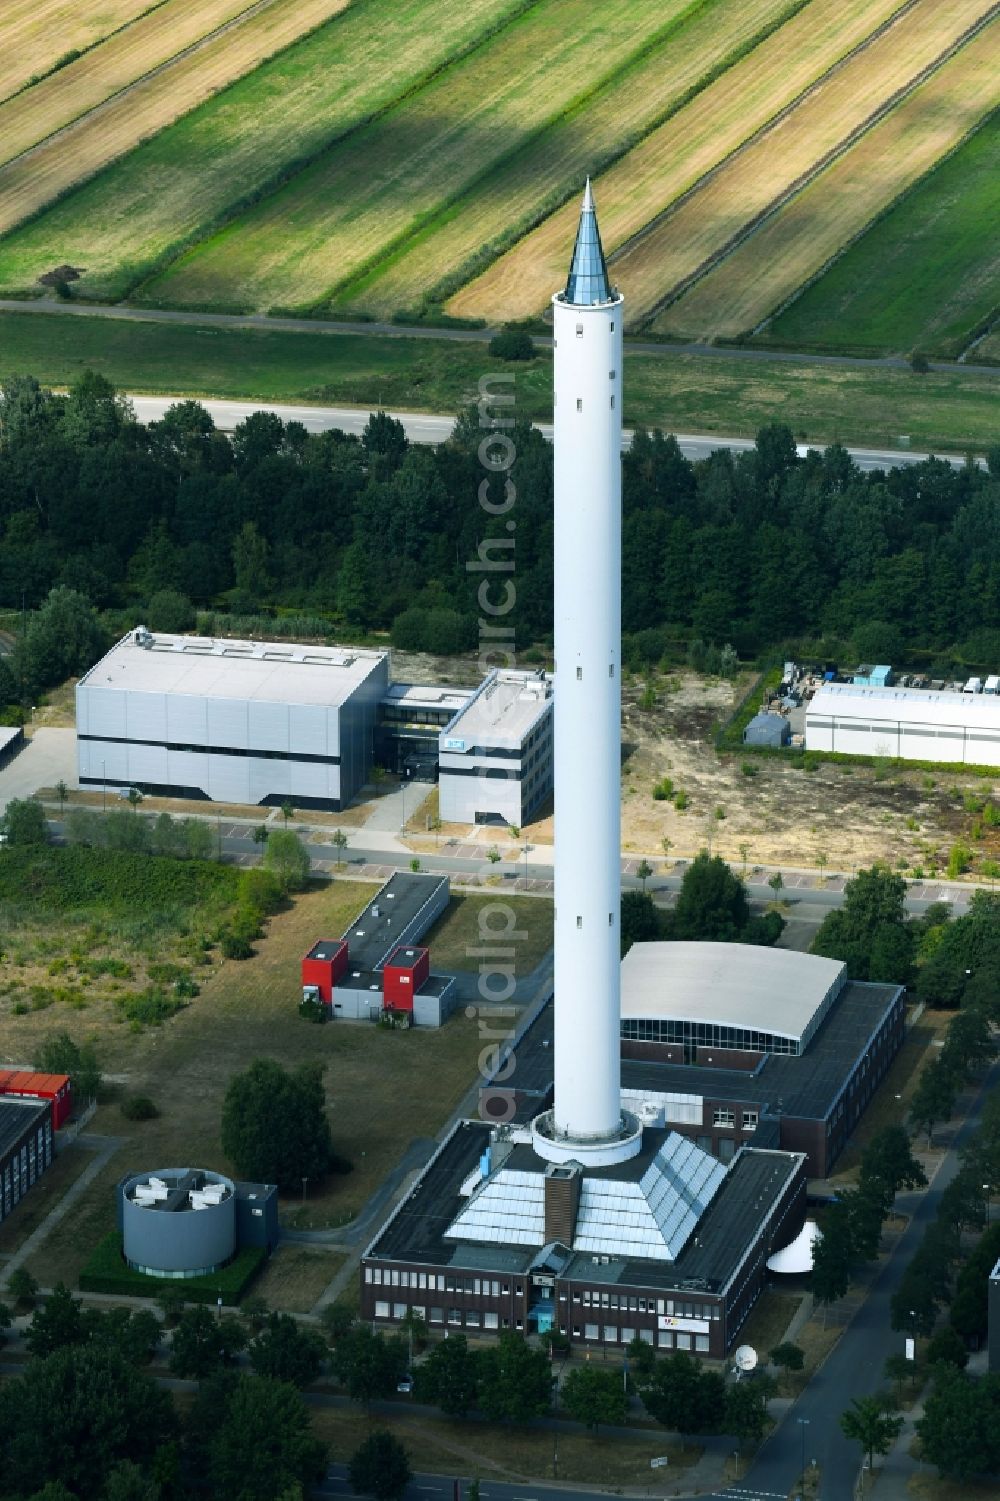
<point>104,1147</point>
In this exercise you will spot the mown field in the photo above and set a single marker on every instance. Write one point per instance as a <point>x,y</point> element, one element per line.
<point>115,64</point>
<point>801,237</point>
<point>38,33</point>
<point>426,156</point>
<point>918,278</point>
<point>949,410</point>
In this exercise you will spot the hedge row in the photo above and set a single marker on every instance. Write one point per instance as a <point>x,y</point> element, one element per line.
<point>107,1272</point>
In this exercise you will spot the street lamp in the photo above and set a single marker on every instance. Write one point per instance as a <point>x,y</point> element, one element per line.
<point>104,789</point>
<point>304,1182</point>
<point>988,1192</point>
<point>803,1425</point>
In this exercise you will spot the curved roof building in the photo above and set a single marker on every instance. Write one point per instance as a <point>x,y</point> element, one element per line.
<point>727,996</point>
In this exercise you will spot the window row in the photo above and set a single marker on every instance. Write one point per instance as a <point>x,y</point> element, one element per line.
<point>456,1318</point>
<point>673,1307</point>
<point>727,1117</point>
<point>480,1287</point>
<point>612,1334</point>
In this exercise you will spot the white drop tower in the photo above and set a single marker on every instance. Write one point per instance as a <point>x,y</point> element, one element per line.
<point>587,1122</point>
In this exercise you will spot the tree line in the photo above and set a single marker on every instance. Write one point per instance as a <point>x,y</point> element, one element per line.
<point>755,550</point>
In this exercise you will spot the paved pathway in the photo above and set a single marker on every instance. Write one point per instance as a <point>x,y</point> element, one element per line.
<point>104,1148</point>
<point>665,351</point>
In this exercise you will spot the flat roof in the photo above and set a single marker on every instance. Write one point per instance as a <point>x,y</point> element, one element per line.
<point>804,1086</point>
<point>502,712</point>
<point>8,735</point>
<point>729,985</point>
<point>325,948</point>
<point>370,938</point>
<point>426,696</point>
<point>416,1232</point>
<point>282,672</point>
<point>15,1116</point>
<point>905,705</point>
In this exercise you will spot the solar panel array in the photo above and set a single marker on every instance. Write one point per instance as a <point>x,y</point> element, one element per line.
<point>509,1209</point>
<point>651,1219</point>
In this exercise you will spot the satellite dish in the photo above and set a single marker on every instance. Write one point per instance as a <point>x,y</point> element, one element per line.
<point>745,1359</point>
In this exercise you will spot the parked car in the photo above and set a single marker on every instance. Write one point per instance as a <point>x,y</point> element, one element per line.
<point>405,1384</point>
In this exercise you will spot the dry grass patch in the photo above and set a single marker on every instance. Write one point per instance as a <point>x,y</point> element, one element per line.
<point>296,1277</point>
<point>332,220</point>
<point>505,1453</point>
<point>799,240</point>
<point>114,65</point>
<point>29,1213</point>
<point>458,934</point>
<point>79,152</point>
<point>746,186</point>
<point>989,349</point>
<point>35,34</point>
<point>131,220</point>
<point>673,157</point>
<point>499,208</point>
<point>384,1089</point>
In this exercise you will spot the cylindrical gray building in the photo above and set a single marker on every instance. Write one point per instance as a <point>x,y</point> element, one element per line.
<point>178,1222</point>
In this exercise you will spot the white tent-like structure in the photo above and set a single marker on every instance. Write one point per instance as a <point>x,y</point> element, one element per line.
<point>797,1256</point>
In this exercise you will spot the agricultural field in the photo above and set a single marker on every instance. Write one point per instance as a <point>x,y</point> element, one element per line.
<point>39,34</point>
<point>802,236</point>
<point>362,157</point>
<point>365,198</point>
<point>919,277</point>
<point>128,55</point>
<point>195,173</point>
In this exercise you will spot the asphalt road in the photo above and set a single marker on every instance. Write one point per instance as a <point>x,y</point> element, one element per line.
<point>456,335</point>
<point>854,1369</point>
<point>434,427</point>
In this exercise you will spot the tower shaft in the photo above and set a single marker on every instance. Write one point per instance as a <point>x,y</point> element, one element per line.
<point>587,441</point>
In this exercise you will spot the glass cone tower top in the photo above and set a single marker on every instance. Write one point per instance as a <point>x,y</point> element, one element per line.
<point>588,284</point>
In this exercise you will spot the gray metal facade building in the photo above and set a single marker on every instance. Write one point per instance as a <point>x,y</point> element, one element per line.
<point>495,757</point>
<point>232,721</point>
<point>25,1148</point>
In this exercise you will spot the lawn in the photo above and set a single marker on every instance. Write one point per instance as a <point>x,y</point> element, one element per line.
<point>702,228</point>
<point>107,68</point>
<point>800,239</point>
<point>248,1010</point>
<point>64,161</point>
<point>131,219</point>
<point>923,277</point>
<point>457,934</point>
<point>368,192</point>
<point>500,1452</point>
<point>989,349</point>
<point>35,34</point>
<point>296,1276</point>
<point>769,78</point>
<point>680,393</point>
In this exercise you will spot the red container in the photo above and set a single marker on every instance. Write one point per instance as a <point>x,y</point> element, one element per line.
<point>22,1084</point>
<point>403,976</point>
<point>323,966</point>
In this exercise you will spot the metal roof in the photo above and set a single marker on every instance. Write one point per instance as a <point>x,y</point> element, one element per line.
<point>16,1116</point>
<point>588,284</point>
<point>729,985</point>
<point>905,706</point>
<point>281,672</point>
<point>501,712</point>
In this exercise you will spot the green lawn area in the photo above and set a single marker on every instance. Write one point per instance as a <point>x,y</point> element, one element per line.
<point>681,393</point>
<point>456,935</point>
<point>925,276</point>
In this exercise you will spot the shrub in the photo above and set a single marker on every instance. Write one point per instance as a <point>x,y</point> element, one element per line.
<point>149,1008</point>
<point>234,946</point>
<point>681,801</point>
<point>107,1272</point>
<point>512,344</point>
<point>748,769</point>
<point>663,791</point>
<point>138,1107</point>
